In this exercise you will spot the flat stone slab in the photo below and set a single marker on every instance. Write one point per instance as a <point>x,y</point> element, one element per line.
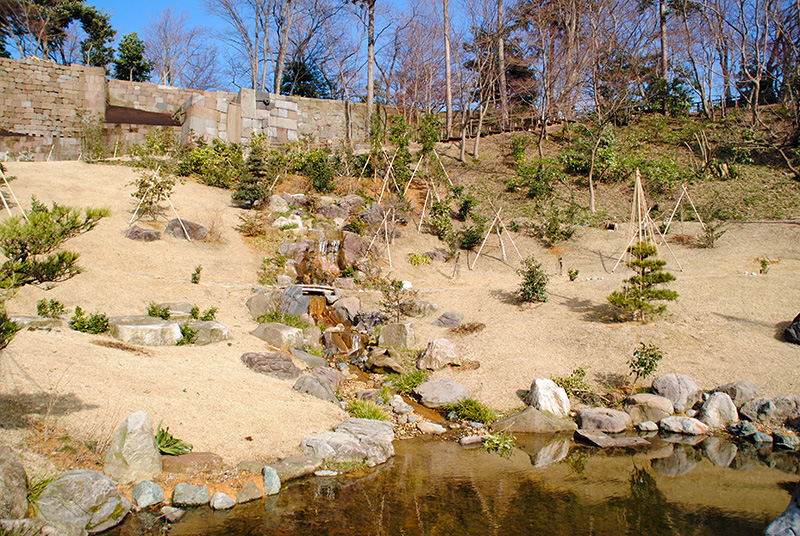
<point>37,322</point>
<point>599,439</point>
<point>532,421</point>
<point>293,467</point>
<point>353,440</point>
<point>311,360</point>
<point>192,463</point>
<point>272,364</point>
<point>279,335</point>
<point>144,330</point>
<point>439,393</point>
<point>209,332</point>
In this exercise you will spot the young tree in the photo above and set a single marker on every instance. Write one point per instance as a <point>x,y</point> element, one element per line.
<point>642,289</point>
<point>131,64</point>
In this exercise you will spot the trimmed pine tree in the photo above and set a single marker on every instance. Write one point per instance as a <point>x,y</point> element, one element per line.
<point>640,291</point>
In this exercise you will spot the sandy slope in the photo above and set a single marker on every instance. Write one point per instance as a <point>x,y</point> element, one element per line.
<point>724,326</point>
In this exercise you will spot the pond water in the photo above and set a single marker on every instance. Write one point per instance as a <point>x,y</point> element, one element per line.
<point>548,485</point>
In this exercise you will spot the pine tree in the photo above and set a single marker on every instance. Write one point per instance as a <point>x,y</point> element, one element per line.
<point>131,63</point>
<point>641,290</point>
<point>252,188</point>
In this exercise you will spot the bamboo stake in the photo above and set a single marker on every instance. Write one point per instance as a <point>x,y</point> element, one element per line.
<point>502,245</point>
<point>422,216</point>
<point>377,232</point>
<point>386,233</point>
<point>412,176</point>
<point>179,219</point>
<point>443,169</point>
<point>477,255</point>
<point>6,205</point>
<point>14,196</point>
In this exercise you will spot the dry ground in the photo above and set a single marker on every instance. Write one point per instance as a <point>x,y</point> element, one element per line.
<point>725,326</point>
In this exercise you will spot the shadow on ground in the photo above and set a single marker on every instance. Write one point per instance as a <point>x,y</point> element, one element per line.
<point>17,410</point>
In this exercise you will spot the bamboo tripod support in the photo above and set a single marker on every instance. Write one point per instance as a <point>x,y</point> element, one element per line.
<point>684,193</point>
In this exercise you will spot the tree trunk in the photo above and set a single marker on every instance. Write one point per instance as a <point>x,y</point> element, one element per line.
<point>448,70</point>
<point>591,172</point>
<point>288,16</point>
<point>501,67</point>
<point>370,63</point>
<point>662,15</point>
<point>481,113</point>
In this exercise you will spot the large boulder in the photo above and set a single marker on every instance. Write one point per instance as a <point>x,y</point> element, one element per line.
<point>741,392</point>
<point>263,302</point>
<point>680,389</point>
<point>792,332</point>
<point>778,410</point>
<point>209,332</point>
<point>140,233</point>
<point>354,440</point>
<point>718,411</point>
<point>316,386</point>
<point>532,421</point>
<point>545,395</point>
<point>277,365</point>
<point>85,499</point>
<point>397,335</point>
<point>13,486</point>
<point>373,214</point>
<point>683,425</point>
<point>345,310</point>
<point>278,204</point>
<point>294,302</point>
<point>644,407</point>
<point>439,393</point>
<point>279,335</point>
<point>438,354</point>
<point>194,230</point>
<point>352,203</point>
<point>144,330</point>
<point>133,454</point>
<point>603,420</point>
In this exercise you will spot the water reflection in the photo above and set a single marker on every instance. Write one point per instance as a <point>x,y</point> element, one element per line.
<point>549,485</point>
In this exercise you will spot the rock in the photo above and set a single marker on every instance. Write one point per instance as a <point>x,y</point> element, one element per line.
<point>334,376</point>
<point>647,407</point>
<point>741,392</point>
<point>13,486</point>
<point>683,425</point>
<point>438,354</point>
<point>133,454</point>
<point>144,330</point>
<point>691,413</point>
<point>278,204</point>
<point>295,200</point>
<point>84,499</point>
<point>333,212</point>
<point>792,332</point>
<point>293,467</point>
<point>431,428</point>
<point>221,501</point>
<point>471,440</point>
<point>312,337</point>
<point>209,332</point>
<point>788,523</point>
<point>192,463</point>
<point>599,439</point>
<point>311,360</point>
<point>251,467</point>
<point>742,429</point>
<point>176,230</point>
<point>279,335</point>
<point>448,320</point>
<point>419,309</point>
<point>720,453</point>
<point>399,406</point>
<point>648,426</point>
<point>37,322</point>
<point>373,214</point>
<point>319,387</point>
<point>325,472</point>
<point>439,393</point>
<point>436,256</point>
<point>681,390</point>
<point>777,410</point>
<point>178,312</point>
<point>145,235</point>
<point>276,365</point>
<point>782,440</point>
<point>345,310</point>
<point>187,495</point>
<point>603,419</point>
<point>761,439</point>
<point>382,362</point>
<point>293,302</point>
<point>682,461</point>
<point>356,440</point>
<point>352,203</point>
<point>532,421</point>
<point>248,492</point>
<point>718,411</point>
<point>38,527</point>
<point>272,482</point>
<point>147,493</point>
<point>263,302</point>
<point>545,395</point>
<point>172,514</point>
<point>397,335</point>
<point>367,321</point>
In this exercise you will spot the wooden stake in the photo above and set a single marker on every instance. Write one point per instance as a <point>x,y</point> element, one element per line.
<point>422,216</point>
<point>443,169</point>
<point>477,255</point>
<point>14,196</point>
<point>386,234</point>
<point>412,176</point>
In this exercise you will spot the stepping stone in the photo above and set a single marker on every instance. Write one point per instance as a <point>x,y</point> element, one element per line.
<point>192,463</point>
<point>599,439</point>
<point>144,330</point>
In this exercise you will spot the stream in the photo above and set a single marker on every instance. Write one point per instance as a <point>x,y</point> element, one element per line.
<point>548,485</point>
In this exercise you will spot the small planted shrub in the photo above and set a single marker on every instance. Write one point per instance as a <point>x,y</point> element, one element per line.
<point>50,309</point>
<point>469,409</point>
<point>188,335</point>
<point>440,219</point>
<point>501,443</point>
<point>396,298</point>
<point>169,445</point>
<point>195,277</point>
<point>642,289</point>
<point>418,259</point>
<point>93,323</point>
<point>282,318</point>
<point>575,385</point>
<point>158,311</point>
<point>151,190</point>
<point>367,409</point>
<point>209,314</point>
<point>533,287</point>
<point>644,361</point>
<point>764,263</point>
<point>253,224</point>
<point>406,383</point>
<point>573,274</point>
<point>471,237</point>
<point>319,170</point>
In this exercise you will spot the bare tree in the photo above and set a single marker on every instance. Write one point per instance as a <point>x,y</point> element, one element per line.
<point>501,65</point>
<point>448,69</point>
<point>182,55</point>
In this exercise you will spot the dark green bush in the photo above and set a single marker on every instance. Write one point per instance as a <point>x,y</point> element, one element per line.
<point>534,282</point>
<point>319,170</point>
<point>50,309</point>
<point>94,323</point>
<point>158,311</point>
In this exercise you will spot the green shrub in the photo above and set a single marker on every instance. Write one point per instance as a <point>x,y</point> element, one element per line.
<point>501,443</point>
<point>219,164</point>
<point>158,311</point>
<point>558,225</point>
<point>538,177</point>
<point>195,277</point>
<point>429,132</point>
<point>152,189</point>
<point>195,312</point>
<point>396,299</point>
<point>440,219</point>
<point>282,318</point>
<point>94,323</point>
<point>573,274</point>
<point>209,314</point>
<point>50,309</point>
<point>169,445</point>
<point>519,142</point>
<point>367,409</point>
<point>319,170</point>
<point>644,361</point>
<point>8,328</point>
<point>471,237</point>
<point>575,385</point>
<point>407,382</point>
<point>418,259</point>
<point>188,334</point>
<point>534,282</point>
<point>643,288</point>
<point>469,409</point>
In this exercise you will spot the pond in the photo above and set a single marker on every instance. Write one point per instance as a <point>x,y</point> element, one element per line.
<point>548,485</point>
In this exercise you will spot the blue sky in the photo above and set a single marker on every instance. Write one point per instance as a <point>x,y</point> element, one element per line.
<point>127,17</point>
